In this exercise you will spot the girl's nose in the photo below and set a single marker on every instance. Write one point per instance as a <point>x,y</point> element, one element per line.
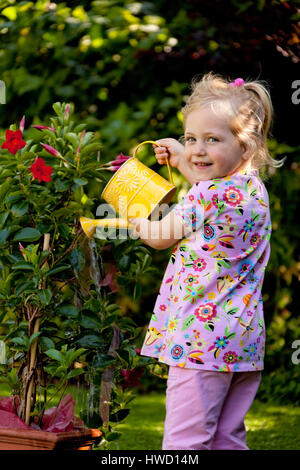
<point>199,149</point>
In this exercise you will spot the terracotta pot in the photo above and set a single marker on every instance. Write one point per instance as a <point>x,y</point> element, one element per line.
<point>23,439</point>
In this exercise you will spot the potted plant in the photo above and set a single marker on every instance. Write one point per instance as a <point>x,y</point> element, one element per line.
<point>57,320</point>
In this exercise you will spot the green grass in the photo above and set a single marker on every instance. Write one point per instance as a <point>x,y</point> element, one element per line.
<point>269,427</point>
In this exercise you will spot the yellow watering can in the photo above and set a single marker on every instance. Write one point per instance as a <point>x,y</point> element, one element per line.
<point>134,191</point>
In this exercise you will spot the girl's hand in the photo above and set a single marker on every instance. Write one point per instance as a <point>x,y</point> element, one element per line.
<point>141,228</point>
<point>171,149</point>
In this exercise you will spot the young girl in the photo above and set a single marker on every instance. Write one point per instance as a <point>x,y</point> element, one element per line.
<point>208,322</point>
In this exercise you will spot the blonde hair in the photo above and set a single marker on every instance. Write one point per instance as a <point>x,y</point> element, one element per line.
<point>248,107</point>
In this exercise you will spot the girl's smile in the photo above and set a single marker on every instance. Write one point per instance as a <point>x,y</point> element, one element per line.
<point>211,149</point>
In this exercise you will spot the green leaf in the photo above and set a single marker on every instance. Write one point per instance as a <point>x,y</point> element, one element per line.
<point>23,265</point>
<point>4,235</point>
<point>103,360</point>
<point>56,355</point>
<point>73,138</point>
<point>77,259</point>
<point>19,209</point>
<point>33,337</point>
<point>45,296</point>
<point>27,234</point>
<point>22,341</point>
<point>80,181</point>
<point>75,373</point>
<point>58,108</point>
<point>68,310</point>
<point>46,343</point>
<point>119,415</point>
<point>137,291</point>
<point>91,341</point>
<point>25,286</point>
<point>112,436</point>
<point>3,219</point>
<point>89,320</point>
<point>58,269</point>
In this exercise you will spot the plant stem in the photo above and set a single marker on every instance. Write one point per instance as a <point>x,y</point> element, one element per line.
<point>33,350</point>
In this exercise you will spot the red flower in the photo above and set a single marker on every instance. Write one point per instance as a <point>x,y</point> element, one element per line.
<point>131,377</point>
<point>40,170</point>
<point>14,141</point>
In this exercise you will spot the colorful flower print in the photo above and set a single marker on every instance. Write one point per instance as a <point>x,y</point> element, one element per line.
<point>255,239</point>
<point>219,254</point>
<point>232,196</point>
<point>191,279</point>
<point>224,283</point>
<point>209,232</point>
<point>247,327</point>
<point>173,323</point>
<point>206,312</point>
<point>199,264</point>
<point>221,342</point>
<point>194,293</point>
<point>244,268</point>
<point>152,336</point>
<point>177,352</point>
<point>251,350</point>
<point>194,356</point>
<point>230,357</point>
<point>163,308</point>
<point>215,201</point>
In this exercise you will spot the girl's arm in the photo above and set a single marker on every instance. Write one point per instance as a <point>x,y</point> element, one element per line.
<point>174,150</point>
<point>160,234</point>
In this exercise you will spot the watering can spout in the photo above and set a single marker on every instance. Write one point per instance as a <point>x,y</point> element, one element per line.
<point>89,225</point>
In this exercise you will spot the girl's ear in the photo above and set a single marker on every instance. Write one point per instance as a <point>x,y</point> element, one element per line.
<point>246,151</point>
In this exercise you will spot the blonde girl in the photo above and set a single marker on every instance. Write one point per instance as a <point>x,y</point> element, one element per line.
<point>208,323</point>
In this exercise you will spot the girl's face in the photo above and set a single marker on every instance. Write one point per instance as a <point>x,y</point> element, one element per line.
<point>211,150</point>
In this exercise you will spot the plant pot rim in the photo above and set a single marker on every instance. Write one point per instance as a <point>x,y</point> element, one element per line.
<point>39,439</point>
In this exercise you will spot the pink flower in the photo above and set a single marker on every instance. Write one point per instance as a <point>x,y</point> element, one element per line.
<point>114,165</point>
<point>50,150</point>
<point>110,279</point>
<point>232,196</point>
<point>22,124</point>
<point>40,128</point>
<point>67,111</point>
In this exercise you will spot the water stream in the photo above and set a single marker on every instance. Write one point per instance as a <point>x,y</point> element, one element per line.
<point>92,395</point>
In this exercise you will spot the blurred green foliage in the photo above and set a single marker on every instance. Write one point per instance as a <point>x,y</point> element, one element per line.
<point>126,66</point>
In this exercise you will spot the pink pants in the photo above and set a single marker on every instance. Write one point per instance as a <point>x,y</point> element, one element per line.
<point>205,410</point>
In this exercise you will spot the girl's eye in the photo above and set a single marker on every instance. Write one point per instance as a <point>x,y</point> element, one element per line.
<point>190,139</point>
<point>212,139</point>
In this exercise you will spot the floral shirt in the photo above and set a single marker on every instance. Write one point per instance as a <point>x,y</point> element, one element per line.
<point>209,311</point>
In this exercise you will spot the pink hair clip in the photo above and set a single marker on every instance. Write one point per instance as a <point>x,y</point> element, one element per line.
<point>237,82</point>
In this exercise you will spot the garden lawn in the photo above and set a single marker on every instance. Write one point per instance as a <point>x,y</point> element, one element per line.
<point>269,427</point>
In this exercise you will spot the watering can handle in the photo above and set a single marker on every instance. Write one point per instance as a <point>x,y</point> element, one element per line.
<point>155,143</point>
